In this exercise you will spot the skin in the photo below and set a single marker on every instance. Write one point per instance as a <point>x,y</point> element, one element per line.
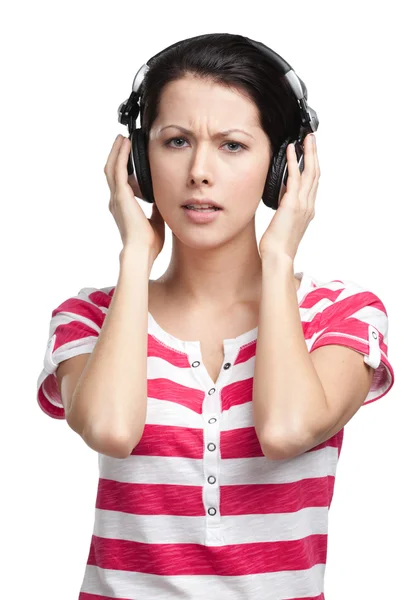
<point>217,265</point>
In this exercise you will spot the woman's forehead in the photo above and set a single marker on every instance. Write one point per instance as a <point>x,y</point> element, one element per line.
<point>200,104</point>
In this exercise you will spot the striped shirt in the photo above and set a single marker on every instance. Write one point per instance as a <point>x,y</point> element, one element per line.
<point>197,511</point>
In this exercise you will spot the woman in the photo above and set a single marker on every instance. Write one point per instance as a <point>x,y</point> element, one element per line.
<point>217,455</point>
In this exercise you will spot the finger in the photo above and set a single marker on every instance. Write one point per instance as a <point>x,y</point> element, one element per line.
<point>110,163</point>
<point>313,192</point>
<point>294,175</point>
<point>309,174</point>
<point>316,158</point>
<point>121,163</point>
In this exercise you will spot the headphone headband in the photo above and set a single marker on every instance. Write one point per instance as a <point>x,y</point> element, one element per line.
<point>129,110</point>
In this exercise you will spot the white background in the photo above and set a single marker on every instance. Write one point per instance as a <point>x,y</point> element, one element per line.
<point>66,67</point>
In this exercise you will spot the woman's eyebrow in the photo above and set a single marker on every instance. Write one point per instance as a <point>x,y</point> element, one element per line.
<point>219,134</point>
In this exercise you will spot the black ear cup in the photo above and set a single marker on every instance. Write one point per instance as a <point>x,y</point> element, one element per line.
<point>272,187</point>
<point>272,192</point>
<point>276,180</point>
<point>141,164</point>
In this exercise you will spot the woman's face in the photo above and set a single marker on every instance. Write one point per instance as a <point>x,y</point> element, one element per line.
<point>231,169</point>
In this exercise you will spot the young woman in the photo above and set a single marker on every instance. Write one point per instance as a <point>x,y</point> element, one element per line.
<point>216,396</point>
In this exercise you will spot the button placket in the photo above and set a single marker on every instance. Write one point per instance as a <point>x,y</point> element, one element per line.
<point>211,414</point>
<point>211,462</point>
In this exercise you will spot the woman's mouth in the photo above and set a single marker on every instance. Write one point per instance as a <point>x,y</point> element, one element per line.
<point>201,215</point>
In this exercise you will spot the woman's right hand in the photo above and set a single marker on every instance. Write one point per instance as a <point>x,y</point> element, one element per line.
<point>135,228</point>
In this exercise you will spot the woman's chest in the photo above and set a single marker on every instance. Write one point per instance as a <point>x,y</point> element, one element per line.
<point>211,341</point>
<point>212,352</point>
<point>211,334</point>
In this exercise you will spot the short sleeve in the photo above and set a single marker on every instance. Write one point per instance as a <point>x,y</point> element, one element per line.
<point>74,329</point>
<point>358,319</point>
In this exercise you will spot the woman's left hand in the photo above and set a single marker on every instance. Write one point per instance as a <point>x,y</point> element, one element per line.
<point>296,209</point>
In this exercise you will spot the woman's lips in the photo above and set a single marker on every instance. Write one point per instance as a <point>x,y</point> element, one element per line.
<point>201,216</point>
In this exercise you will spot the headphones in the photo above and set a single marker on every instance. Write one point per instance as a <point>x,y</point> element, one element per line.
<point>276,179</point>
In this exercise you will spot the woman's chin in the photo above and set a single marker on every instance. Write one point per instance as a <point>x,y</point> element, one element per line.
<point>199,239</point>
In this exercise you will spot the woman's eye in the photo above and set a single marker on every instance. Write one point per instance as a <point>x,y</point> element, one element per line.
<point>171,140</point>
<point>168,143</point>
